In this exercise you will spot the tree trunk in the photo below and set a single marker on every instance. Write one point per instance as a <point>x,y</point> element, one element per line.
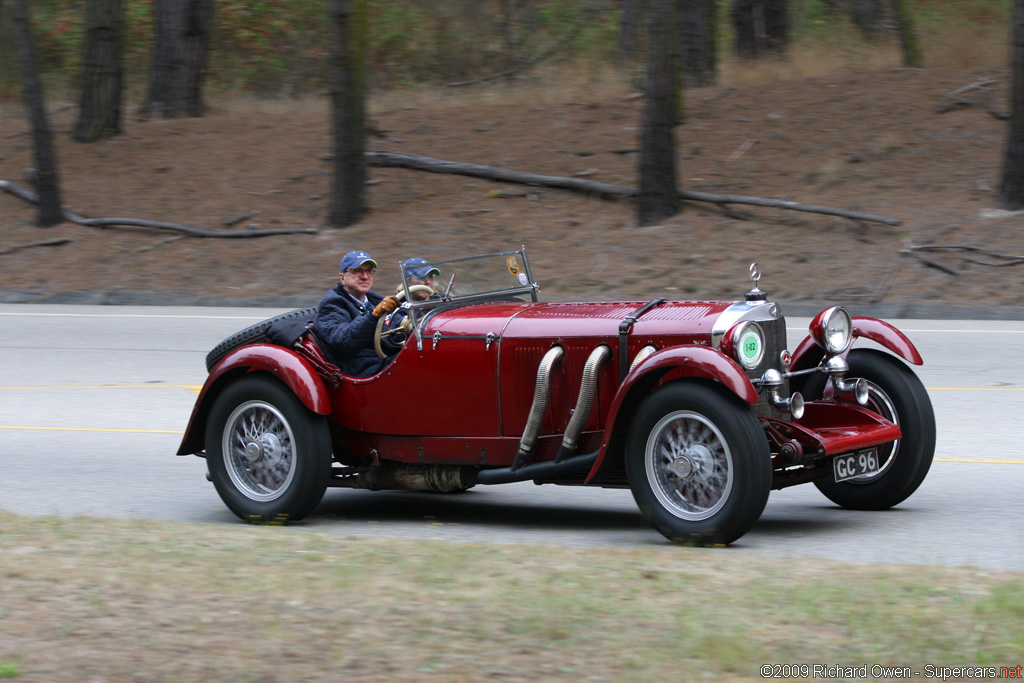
<point>46,180</point>
<point>700,58</point>
<point>349,25</point>
<point>1011,191</point>
<point>659,198</point>
<point>761,26</point>
<point>629,22</point>
<point>183,30</point>
<point>908,38</point>
<point>99,114</point>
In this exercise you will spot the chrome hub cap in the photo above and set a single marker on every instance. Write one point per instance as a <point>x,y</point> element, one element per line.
<point>682,467</point>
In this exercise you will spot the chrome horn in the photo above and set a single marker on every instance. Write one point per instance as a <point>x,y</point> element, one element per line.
<point>772,380</point>
<point>836,368</point>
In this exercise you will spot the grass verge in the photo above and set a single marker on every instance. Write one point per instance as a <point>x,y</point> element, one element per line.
<point>88,599</point>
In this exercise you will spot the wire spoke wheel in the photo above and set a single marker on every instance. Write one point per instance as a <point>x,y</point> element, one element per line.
<point>269,456</point>
<point>698,463</point>
<point>260,450</point>
<point>689,465</point>
<point>895,393</point>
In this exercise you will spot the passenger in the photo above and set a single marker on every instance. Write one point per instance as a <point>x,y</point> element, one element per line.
<point>347,318</point>
<point>419,272</point>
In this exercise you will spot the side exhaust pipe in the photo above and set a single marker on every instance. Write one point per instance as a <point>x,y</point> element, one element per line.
<point>642,355</point>
<point>585,403</point>
<point>540,405</point>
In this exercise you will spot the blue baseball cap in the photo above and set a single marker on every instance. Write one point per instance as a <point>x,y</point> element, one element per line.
<point>354,259</point>
<point>419,268</point>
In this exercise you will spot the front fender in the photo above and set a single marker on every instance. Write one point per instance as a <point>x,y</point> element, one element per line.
<point>701,362</point>
<point>808,354</point>
<point>283,363</point>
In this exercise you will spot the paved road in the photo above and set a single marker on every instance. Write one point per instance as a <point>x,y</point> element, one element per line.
<point>93,401</point>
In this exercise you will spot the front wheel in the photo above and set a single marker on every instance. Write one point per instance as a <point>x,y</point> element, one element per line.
<point>895,393</point>
<point>698,464</point>
<point>269,457</point>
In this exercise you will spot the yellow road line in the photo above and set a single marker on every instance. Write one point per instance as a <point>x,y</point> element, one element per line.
<point>94,429</point>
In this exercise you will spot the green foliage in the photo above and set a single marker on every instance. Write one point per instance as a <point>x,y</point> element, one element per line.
<point>9,669</point>
<point>272,47</point>
<point>278,47</point>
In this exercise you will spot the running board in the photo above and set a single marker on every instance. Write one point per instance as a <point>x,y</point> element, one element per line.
<point>539,470</point>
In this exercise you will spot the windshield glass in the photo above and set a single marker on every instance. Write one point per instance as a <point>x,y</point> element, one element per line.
<point>471,278</point>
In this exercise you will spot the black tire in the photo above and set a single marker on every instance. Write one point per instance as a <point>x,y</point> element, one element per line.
<point>254,334</point>
<point>896,394</point>
<point>698,464</point>
<point>269,457</point>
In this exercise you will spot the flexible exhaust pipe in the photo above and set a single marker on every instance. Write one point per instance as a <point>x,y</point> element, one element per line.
<point>540,405</point>
<point>585,403</point>
<point>642,355</point>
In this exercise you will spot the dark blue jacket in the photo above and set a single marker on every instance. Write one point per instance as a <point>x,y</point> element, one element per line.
<point>345,332</point>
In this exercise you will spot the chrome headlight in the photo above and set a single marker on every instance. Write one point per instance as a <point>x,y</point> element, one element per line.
<point>744,343</point>
<point>832,330</point>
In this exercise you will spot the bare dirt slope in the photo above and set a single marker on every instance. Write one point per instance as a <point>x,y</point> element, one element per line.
<point>873,142</point>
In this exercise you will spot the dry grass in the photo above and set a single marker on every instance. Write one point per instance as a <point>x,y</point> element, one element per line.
<point>85,599</point>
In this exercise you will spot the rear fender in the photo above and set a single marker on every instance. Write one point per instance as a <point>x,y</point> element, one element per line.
<point>283,363</point>
<point>689,362</point>
<point>808,354</point>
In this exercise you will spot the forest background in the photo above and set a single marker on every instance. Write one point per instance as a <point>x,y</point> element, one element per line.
<point>265,84</point>
<point>278,48</point>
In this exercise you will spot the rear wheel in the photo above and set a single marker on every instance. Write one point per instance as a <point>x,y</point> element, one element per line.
<point>895,393</point>
<point>698,464</point>
<point>269,457</point>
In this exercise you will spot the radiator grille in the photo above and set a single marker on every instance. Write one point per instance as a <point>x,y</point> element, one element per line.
<point>774,344</point>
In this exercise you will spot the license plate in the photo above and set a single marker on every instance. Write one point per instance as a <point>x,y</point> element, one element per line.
<point>856,464</point>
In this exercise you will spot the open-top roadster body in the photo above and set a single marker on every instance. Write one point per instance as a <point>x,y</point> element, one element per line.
<point>696,406</point>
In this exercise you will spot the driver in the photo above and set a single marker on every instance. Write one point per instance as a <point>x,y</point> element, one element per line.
<point>347,318</point>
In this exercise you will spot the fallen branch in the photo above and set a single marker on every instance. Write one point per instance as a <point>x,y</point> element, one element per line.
<point>982,83</point>
<point>432,165</point>
<point>956,99</point>
<point>19,191</point>
<point>929,262</point>
<point>46,243</point>
<point>1008,259</point>
<point>186,229</point>
<point>784,204</point>
<point>963,102</point>
<point>31,197</point>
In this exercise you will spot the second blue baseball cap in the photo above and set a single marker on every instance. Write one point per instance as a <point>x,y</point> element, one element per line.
<point>419,268</point>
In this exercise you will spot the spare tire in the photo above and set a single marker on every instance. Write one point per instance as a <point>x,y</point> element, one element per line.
<point>254,334</point>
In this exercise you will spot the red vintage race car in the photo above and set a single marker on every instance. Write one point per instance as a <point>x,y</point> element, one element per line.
<point>696,406</point>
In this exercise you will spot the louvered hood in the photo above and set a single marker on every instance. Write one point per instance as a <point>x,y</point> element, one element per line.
<point>578,320</point>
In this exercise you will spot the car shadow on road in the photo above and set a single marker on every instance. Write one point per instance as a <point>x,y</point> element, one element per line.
<point>814,520</point>
<point>474,508</point>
